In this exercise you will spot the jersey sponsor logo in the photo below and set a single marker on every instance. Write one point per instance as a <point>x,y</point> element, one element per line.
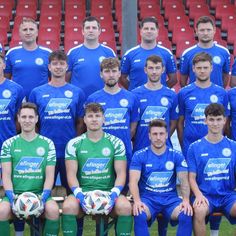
<point>216,166</point>
<point>184,163</point>
<point>115,115</point>
<point>68,93</point>
<point>159,179</point>
<point>213,98</point>
<point>3,106</point>
<point>95,166</point>
<point>29,165</point>
<point>169,165</point>
<point>226,152</point>
<point>58,105</point>
<point>39,61</point>
<point>216,59</point>
<point>124,102</point>
<point>198,111</point>
<point>153,112</point>
<point>6,93</point>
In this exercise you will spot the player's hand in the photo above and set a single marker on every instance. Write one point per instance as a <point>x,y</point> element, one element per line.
<point>79,195</point>
<point>11,196</point>
<point>138,208</point>
<point>200,200</point>
<point>15,212</point>
<point>115,192</point>
<point>45,195</point>
<point>186,208</point>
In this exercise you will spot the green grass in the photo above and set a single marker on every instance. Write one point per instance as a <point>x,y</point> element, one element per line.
<point>89,229</point>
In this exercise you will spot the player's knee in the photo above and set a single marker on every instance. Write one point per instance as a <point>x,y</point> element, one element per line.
<point>200,212</point>
<point>51,210</point>
<point>5,211</point>
<point>123,206</point>
<point>233,210</point>
<point>70,206</point>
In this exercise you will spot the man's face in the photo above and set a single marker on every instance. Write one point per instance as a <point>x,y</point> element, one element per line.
<point>57,68</point>
<point>215,124</point>
<point>202,70</point>
<point>2,66</point>
<point>94,120</point>
<point>91,30</point>
<point>27,119</point>
<point>158,137</point>
<point>149,32</point>
<point>205,32</point>
<point>110,76</point>
<point>154,71</point>
<point>28,32</point>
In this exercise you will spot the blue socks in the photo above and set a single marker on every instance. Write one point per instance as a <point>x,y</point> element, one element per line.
<point>185,225</point>
<point>162,226</point>
<point>140,225</point>
<point>214,222</point>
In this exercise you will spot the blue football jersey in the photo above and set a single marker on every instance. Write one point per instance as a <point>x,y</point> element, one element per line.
<point>232,103</point>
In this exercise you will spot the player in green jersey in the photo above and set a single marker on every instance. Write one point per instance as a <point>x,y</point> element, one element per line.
<point>96,161</point>
<point>28,164</point>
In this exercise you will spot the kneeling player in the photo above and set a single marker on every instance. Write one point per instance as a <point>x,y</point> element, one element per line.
<point>28,165</point>
<point>96,161</point>
<point>153,173</point>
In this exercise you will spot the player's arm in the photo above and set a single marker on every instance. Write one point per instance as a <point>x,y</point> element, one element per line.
<point>226,77</point>
<point>172,80</point>
<point>80,126</point>
<point>232,81</point>
<point>173,125</point>
<point>133,127</point>
<point>68,76</point>
<point>227,129</point>
<point>6,175</point>
<point>200,199</point>
<point>120,169</point>
<point>71,172</point>
<point>183,80</point>
<point>123,81</point>
<point>49,179</point>
<point>180,129</point>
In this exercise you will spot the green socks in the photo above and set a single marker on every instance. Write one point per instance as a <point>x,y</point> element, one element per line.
<point>69,225</point>
<point>5,228</point>
<point>124,225</point>
<point>51,227</point>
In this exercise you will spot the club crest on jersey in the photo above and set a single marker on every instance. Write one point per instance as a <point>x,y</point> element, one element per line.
<point>106,151</point>
<point>115,115</point>
<point>164,101</point>
<point>153,112</point>
<point>39,61</point>
<point>95,166</point>
<point>169,165</point>
<point>159,179</point>
<point>58,105</point>
<point>213,98</point>
<point>68,93</point>
<point>198,111</point>
<point>6,93</point>
<point>216,59</point>
<point>29,165</point>
<point>124,102</point>
<point>40,151</point>
<point>184,163</point>
<point>226,152</point>
<point>216,166</point>
<point>3,106</point>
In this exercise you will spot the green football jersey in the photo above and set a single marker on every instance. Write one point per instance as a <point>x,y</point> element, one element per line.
<point>29,161</point>
<point>96,160</point>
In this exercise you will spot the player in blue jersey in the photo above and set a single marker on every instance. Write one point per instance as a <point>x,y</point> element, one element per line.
<point>60,106</point>
<point>133,61</point>
<point>193,100</point>
<point>233,75</point>
<point>28,64</point>
<point>205,30</point>
<point>121,106</point>
<point>212,168</point>
<point>84,60</point>
<point>11,96</point>
<point>231,123</point>
<point>153,174</point>
<point>155,101</point>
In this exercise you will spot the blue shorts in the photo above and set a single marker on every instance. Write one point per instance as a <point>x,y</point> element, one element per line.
<point>164,205</point>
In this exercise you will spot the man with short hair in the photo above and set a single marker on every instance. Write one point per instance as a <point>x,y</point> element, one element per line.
<point>27,65</point>
<point>133,61</point>
<point>96,161</point>
<point>84,60</point>
<point>205,30</point>
<point>60,106</point>
<point>153,174</point>
<point>212,165</point>
<point>28,164</point>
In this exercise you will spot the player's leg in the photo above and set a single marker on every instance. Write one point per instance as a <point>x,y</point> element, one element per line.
<point>123,210</point>
<point>229,206</point>
<point>5,215</point>
<point>214,225</point>
<point>71,210</point>
<point>52,221</point>
<point>162,226</point>
<point>19,226</point>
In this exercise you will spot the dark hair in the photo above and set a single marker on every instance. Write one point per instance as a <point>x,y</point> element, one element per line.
<point>58,54</point>
<point>27,20</point>
<point>151,19</point>
<point>214,109</point>
<point>109,63</point>
<point>93,107</point>
<point>155,59</point>
<point>90,19</point>
<point>28,105</point>
<point>202,56</point>
<point>157,123</point>
<point>204,20</point>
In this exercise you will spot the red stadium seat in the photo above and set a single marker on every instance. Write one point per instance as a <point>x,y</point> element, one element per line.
<point>228,22</point>
<point>73,20</point>
<point>149,10</point>
<point>101,7</point>
<point>165,43</point>
<point>56,2</point>
<point>52,44</point>
<point>186,33</point>
<point>14,43</point>
<point>50,9</point>
<point>177,21</point>
<point>6,9</point>
<point>49,33</point>
<point>224,10</point>
<point>197,10</point>
<point>68,44</point>
<point>3,37</point>
<point>26,10</point>
<point>214,3</point>
<point>168,2</point>
<point>172,9</point>
<point>50,21</point>
<point>189,2</point>
<point>231,36</point>
<point>182,45</point>
<point>30,2</point>
<point>5,23</point>
<point>74,33</point>
<point>75,9</point>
